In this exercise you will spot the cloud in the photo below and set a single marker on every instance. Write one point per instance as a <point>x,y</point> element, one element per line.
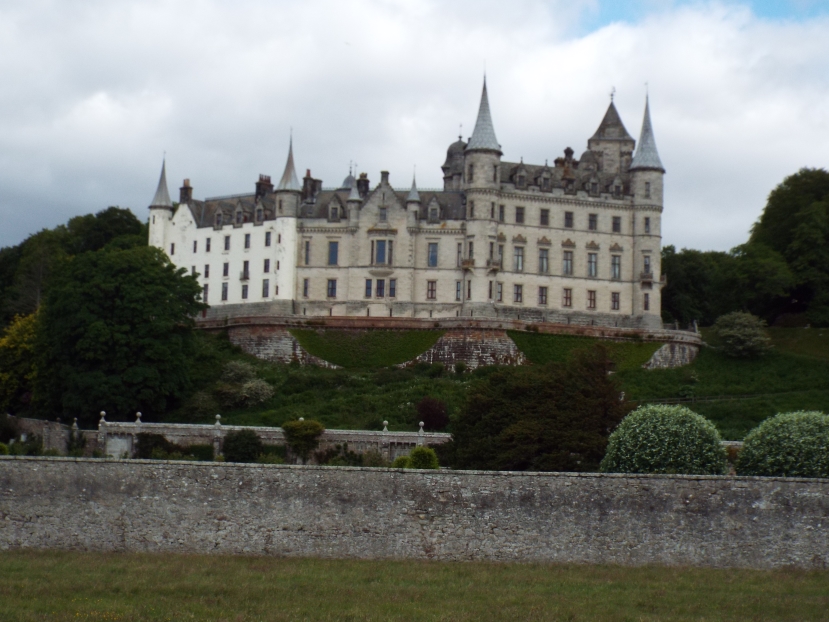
<point>96,91</point>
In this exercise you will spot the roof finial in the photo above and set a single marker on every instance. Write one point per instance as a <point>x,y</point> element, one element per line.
<point>612,93</point>
<point>460,132</point>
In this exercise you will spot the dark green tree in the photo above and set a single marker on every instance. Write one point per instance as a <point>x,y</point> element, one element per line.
<point>114,334</point>
<point>91,233</point>
<point>552,418</point>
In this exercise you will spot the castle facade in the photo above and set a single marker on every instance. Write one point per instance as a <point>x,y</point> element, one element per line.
<point>575,242</point>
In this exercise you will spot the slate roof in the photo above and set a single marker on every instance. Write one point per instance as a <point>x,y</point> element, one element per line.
<point>646,155</point>
<point>162,195</point>
<point>483,136</point>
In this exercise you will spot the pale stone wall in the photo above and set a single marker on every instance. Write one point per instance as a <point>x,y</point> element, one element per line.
<point>148,506</point>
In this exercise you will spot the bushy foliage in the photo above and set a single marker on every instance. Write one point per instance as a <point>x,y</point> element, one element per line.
<point>238,371</point>
<point>665,439</point>
<point>17,363</point>
<point>8,428</point>
<point>203,453</point>
<point>303,437</point>
<point>75,443</point>
<point>788,445</point>
<point>239,387</point>
<point>742,335</point>
<point>432,412</point>
<point>4,449</point>
<point>242,446</point>
<point>255,392</point>
<point>423,458</point>
<point>555,417</point>
<point>401,462</point>
<point>201,405</point>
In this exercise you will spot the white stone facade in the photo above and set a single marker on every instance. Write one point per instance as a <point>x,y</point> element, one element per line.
<point>575,242</point>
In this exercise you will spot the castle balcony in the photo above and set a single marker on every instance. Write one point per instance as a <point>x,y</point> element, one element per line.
<point>493,265</point>
<point>244,276</point>
<point>467,264</point>
<point>646,277</point>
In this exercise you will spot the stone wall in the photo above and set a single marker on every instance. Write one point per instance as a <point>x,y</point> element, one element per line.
<point>108,505</point>
<point>474,348</point>
<point>672,355</point>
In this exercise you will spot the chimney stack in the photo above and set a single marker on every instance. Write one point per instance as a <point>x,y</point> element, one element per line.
<point>185,193</point>
<point>263,186</point>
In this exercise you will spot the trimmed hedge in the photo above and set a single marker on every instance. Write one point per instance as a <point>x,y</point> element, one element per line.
<point>665,439</point>
<point>423,458</point>
<point>792,444</point>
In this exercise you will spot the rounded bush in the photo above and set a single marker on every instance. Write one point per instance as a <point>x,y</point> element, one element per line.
<point>256,391</point>
<point>401,462</point>
<point>238,371</point>
<point>665,439</point>
<point>743,335</point>
<point>792,444</point>
<point>242,446</point>
<point>4,449</point>
<point>423,458</point>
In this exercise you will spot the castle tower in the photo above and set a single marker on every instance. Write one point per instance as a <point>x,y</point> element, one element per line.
<point>286,199</point>
<point>412,205</point>
<point>161,212</point>
<point>482,156</point>
<point>611,143</point>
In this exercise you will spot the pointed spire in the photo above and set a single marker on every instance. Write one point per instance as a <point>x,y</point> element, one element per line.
<point>611,126</point>
<point>289,179</point>
<point>646,156</point>
<point>354,195</point>
<point>414,195</point>
<point>162,195</point>
<point>483,136</point>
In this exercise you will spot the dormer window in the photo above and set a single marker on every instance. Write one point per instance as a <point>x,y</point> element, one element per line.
<point>335,213</point>
<point>433,214</point>
<point>260,214</point>
<point>239,217</point>
<point>218,219</point>
<point>617,190</point>
<point>594,188</point>
<point>545,183</point>
<point>521,181</point>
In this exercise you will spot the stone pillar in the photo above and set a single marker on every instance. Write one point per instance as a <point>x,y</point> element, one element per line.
<point>217,436</point>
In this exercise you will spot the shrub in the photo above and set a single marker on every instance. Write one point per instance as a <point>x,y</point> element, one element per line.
<point>201,405</point>
<point>401,462</point>
<point>460,368</point>
<point>8,428</point>
<point>4,449</point>
<point>423,458</point>
<point>154,446</point>
<point>242,446</point>
<point>255,391</point>
<point>432,412</point>
<point>303,436</point>
<point>267,458</point>
<point>374,459</point>
<point>665,439</point>
<point>202,453</point>
<point>790,445</point>
<point>75,444</point>
<point>238,372</point>
<point>339,455</point>
<point>742,335</point>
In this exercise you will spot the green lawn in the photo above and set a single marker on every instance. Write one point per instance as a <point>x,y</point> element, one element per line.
<point>366,349</point>
<point>66,586</point>
<point>540,349</point>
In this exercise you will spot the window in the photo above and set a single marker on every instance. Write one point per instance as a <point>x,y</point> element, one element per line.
<point>333,251</point>
<point>470,177</point>
<point>335,213</point>
<point>647,190</point>
<point>433,214</point>
<point>431,290</point>
<point>267,266</point>
<point>591,299</point>
<point>495,173</point>
<point>239,217</point>
<point>219,219</point>
<point>592,264</point>
<point>267,238</point>
<point>492,211</point>
<point>542,295</point>
<point>567,297</point>
<point>280,206</point>
<point>392,288</point>
<point>247,240</point>
<point>469,290</point>
<point>472,209</point>
<point>614,301</point>
<point>491,250</point>
<point>458,285</point>
<point>593,222</point>
<point>518,254</point>
<point>543,260</point>
<point>501,253</point>
<point>617,224</point>
<point>204,293</point>
<point>259,214</point>
<point>172,249</point>
<point>277,264</point>
<point>433,254</point>
<point>518,293</point>
<point>489,296</point>
<point>460,253</point>
<point>384,214</point>
<point>195,246</point>
<point>368,288</point>
<point>617,190</point>
<point>306,285</point>
<point>246,270</point>
<point>307,252</point>
<point>266,288</point>
<point>193,270</point>
<point>594,188</point>
<point>279,238</point>
<point>647,224</point>
<point>501,213</point>
<point>519,215</point>
<point>227,242</point>
<point>224,291</point>
<point>206,271</point>
<point>647,264</point>
<point>499,290</point>
<point>207,245</point>
<point>471,253</point>
<point>567,264</point>
<point>380,248</point>
<point>226,269</point>
<point>381,288</point>
<point>568,220</point>
<point>244,292</point>
<point>616,267</point>
<point>545,218</point>
<point>332,288</point>
<point>646,303</point>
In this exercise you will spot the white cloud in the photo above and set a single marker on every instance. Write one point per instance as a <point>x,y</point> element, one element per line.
<point>95,91</point>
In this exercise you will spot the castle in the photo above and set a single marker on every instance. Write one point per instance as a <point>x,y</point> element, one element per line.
<point>576,242</point>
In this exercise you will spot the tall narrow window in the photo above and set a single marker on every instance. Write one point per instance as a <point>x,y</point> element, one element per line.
<point>335,213</point>
<point>267,266</point>
<point>472,209</point>
<point>458,285</point>
<point>332,288</point>
<point>519,215</point>
<point>501,213</point>
<point>368,288</point>
<point>518,254</point>
<point>614,301</point>
<point>616,267</point>
<point>568,220</point>
<point>646,303</point>
<point>380,290</point>
<point>499,291</point>
<point>307,252</point>
<point>267,238</point>
<point>647,190</point>
<point>469,290</point>
<point>391,254</point>
<point>591,299</point>
<point>384,214</point>
<point>471,253</point>
<point>195,246</point>
<point>593,222</point>
<point>567,263</point>
<point>592,264</point>
<point>246,270</point>
<point>489,296</point>
<point>207,245</point>
<point>433,254</point>
<point>431,290</point>
<point>306,286</point>
<point>543,260</point>
<point>617,224</point>
<point>542,295</point>
<point>517,293</point>
<point>266,288</point>
<point>392,288</point>
<point>567,297</point>
<point>172,249</point>
<point>380,258</point>
<point>647,269</point>
<point>460,253</point>
<point>470,177</point>
<point>279,238</point>
<point>492,250</point>
<point>492,210</point>
<point>501,253</point>
<point>259,214</point>
<point>204,293</point>
<point>224,291</point>
<point>244,292</point>
<point>247,240</point>
<point>206,270</point>
<point>192,270</point>
<point>333,252</point>
<point>647,224</point>
<point>226,269</point>
<point>544,221</point>
<point>227,242</point>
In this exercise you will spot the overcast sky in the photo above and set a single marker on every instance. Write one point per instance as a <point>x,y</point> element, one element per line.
<point>95,91</point>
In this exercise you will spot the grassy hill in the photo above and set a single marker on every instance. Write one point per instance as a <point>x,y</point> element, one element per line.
<point>735,394</point>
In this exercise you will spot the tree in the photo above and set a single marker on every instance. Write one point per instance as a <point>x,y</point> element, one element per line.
<point>552,418</point>
<point>115,334</point>
<point>742,335</point>
<point>302,436</point>
<point>91,233</point>
<point>242,446</point>
<point>17,364</point>
<point>432,412</point>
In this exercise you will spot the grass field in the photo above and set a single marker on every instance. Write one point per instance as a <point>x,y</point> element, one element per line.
<point>64,586</point>
<point>540,349</point>
<point>366,349</point>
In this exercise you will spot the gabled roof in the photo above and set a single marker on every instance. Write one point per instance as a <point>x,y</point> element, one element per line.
<point>483,136</point>
<point>162,196</point>
<point>611,126</point>
<point>289,179</point>
<point>646,156</point>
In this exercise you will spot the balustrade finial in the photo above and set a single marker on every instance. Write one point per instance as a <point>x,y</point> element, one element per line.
<point>385,426</point>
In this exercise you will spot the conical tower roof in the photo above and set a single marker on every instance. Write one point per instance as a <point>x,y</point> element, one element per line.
<point>483,136</point>
<point>354,195</point>
<point>289,179</point>
<point>611,126</point>
<point>646,156</point>
<point>414,195</point>
<point>162,195</point>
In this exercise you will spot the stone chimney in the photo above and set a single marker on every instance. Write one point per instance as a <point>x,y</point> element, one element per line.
<point>263,186</point>
<point>185,193</point>
<point>363,185</point>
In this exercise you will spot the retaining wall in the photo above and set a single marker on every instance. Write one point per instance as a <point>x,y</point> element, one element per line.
<point>336,512</point>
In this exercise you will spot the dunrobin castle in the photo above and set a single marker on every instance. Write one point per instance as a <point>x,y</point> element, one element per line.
<point>576,242</point>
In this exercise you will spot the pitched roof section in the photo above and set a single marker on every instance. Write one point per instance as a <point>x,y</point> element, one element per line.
<point>646,156</point>
<point>289,179</point>
<point>162,195</point>
<point>483,137</point>
<point>414,195</point>
<point>611,126</point>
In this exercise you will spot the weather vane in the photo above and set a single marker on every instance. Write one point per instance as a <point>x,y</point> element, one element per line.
<point>612,92</point>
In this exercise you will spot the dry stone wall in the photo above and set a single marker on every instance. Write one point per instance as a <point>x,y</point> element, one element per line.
<point>474,348</point>
<point>109,505</point>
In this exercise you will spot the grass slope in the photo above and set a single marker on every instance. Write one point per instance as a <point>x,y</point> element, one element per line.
<point>540,349</point>
<point>64,586</point>
<point>366,349</point>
